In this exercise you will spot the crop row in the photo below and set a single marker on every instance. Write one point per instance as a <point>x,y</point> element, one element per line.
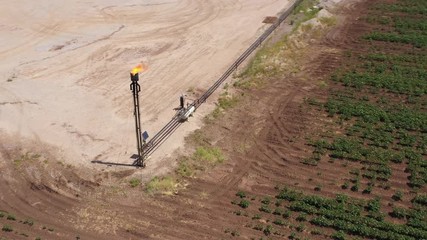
<point>419,60</point>
<point>396,84</point>
<point>345,214</point>
<point>410,8</point>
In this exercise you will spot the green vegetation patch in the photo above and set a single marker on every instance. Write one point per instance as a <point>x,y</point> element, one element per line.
<point>348,216</point>
<point>134,182</point>
<point>166,185</point>
<point>211,155</point>
<point>7,228</point>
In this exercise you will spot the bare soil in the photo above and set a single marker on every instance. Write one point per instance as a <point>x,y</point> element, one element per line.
<point>264,139</point>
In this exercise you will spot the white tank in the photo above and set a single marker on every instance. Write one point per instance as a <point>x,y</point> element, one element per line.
<point>185,115</point>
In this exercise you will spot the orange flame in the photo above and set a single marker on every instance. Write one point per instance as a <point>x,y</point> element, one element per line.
<point>138,69</point>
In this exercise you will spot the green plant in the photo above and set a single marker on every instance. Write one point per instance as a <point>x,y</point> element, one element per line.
<point>29,222</point>
<point>420,199</point>
<point>328,21</point>
<point>244,203</point>
<point>397,196</point>
<point>345,185</point>
<point>164,185</point>
<point>235,233</point>
<point>373,205</point>
<point>316,232</point>
<point>339,235</point>
<point>355,187</point>
<point>11,217</point>
<point>7,228</point>
<point>211,155</point>
<point>279,222</point>
<point>241,194</point>
<point>278,211</point>
<point>292,236</point>
<point>287,214</point>
<point>268,230</point>
<point>265,208</point>
<point>134,182</point>
<point>185,168</point>
<point>398,213</point>
<point>367,190</point>
<point>302,217</point>
<point>266,200</point>
<point>258,227</point>
<point>300,227</point>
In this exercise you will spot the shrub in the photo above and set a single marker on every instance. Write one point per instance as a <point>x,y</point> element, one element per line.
<point>345,185</point>
<point>279,222</point>
<point>211,155</point>
<point>340,235</point>
<point>29,222</point>
<point>302,217</point>
<point>165,185</point>
<point>373,205</point>
<point>341,198</point>
<point>420,199</point>
<point>241,194</point>
<point>379,216</point>
<point>300,228</point>
<point>134,182</point>
<point>244,203</point>
<point>258,227</point>
<point>292,236</point>
<point>268,230</point>
<point>278,211</point>
<point>397,196</point>
<point>235,233</point>
<point>185,168</point>
<point>7,228</point>
<point>290,195</point>
<point>11,217</point>
<point>316,232</point>
<point>368,190</point>
<point>287,214</point>
<point>265,208</point>
<point>398,213</point>
<point>266,200</point>
<point>256,217</point>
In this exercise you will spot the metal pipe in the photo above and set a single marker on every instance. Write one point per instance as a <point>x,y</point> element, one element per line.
<point>135,87</point>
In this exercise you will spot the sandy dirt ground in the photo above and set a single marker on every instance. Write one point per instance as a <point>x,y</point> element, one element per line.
<point>64,67</point>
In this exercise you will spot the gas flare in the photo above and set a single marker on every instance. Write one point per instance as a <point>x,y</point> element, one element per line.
<point>138,69</point>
